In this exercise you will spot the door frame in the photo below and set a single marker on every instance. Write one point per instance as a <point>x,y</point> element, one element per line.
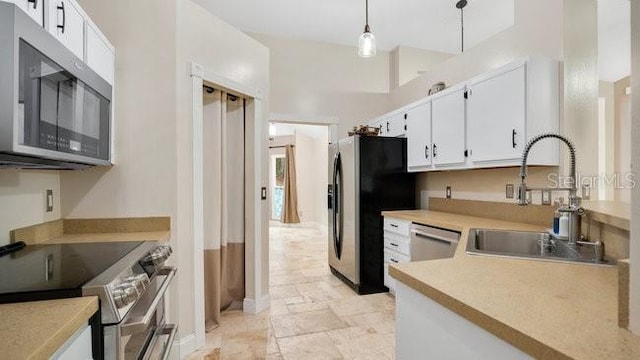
<point>256,255</point>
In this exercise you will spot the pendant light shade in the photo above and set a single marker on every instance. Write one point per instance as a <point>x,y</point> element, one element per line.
<point>367,41</point>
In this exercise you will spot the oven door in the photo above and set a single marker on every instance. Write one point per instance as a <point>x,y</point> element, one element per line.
<point>143,334</point>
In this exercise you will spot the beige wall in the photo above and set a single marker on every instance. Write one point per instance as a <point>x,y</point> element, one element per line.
<point>310,78</point>
<point>311,173</point>
<point>408,63</point>
<point>622,148</point>
<point>155,41</point>
<point>221,49</point>
<point>23,199</point>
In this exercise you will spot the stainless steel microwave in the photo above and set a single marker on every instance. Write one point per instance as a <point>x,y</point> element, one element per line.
<point>55,112</point>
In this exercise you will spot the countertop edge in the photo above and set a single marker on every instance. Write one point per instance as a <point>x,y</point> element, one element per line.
<point>65,332</point>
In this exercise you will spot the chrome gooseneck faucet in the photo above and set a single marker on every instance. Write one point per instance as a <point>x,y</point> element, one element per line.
<point>573,208</point>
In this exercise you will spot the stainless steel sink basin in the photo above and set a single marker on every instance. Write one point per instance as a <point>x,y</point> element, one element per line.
<point>533,245</point>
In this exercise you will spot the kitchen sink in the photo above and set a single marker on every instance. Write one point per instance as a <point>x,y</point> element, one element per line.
<point>534,245</point>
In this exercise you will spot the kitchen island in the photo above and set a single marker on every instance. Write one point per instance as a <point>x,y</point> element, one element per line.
<point>489,307</point>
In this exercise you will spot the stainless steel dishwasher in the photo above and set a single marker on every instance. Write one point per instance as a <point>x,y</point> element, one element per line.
<point>428,243</point>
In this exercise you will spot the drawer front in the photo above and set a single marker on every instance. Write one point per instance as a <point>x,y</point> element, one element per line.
<point>397,226</point>
<point>398,243</point>
<point>394,257</point>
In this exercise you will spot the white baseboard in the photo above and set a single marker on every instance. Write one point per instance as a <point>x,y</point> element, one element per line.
<point>183,347</point>
<point>251,306</point>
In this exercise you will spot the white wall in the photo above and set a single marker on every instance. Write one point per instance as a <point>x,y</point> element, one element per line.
<point>634,283</point>
<point>310,78</point>
<point>155,42</point>
<point>23,199</point>
<point>408,63</point>
<point>622,148</point>
<point>312,177</point>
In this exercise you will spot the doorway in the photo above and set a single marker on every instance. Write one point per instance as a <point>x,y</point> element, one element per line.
<point>308,144</point>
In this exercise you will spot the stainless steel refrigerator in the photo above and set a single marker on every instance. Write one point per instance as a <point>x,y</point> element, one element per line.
<point>368,175</point>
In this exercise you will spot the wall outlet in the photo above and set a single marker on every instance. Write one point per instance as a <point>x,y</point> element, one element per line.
<point>448,192</point>
<point>546,197</point>
<point>586,192</point>
<point>49,201</point>
<point>263,193</point>
<point>509,191</point>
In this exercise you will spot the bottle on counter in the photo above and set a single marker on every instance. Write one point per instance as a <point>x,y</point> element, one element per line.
<point>563,228</point>
<point>556,222</point>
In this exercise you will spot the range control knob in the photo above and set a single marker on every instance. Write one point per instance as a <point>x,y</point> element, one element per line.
<point>138,282</point>
<point>119,298</point>
<point>131,293</point>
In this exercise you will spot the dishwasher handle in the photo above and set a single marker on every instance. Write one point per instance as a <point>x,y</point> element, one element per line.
<point>434,237</point>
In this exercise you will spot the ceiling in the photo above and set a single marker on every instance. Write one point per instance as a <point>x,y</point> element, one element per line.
<point>424,24</point>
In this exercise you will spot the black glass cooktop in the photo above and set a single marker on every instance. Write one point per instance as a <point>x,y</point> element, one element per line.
<point>40,272</point>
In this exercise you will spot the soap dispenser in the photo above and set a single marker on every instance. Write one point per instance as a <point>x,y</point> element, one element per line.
<point>563,228</point>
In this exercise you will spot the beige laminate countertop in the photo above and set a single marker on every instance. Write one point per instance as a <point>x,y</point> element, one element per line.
<point>547,309</point>
<point>35,330</point>
<point>614,213</point>
<point>161,236</point>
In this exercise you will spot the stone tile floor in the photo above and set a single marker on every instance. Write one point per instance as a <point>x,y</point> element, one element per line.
<point>313,315</point>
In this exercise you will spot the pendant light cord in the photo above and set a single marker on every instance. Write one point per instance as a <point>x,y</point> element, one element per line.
<point>462,26</point>
<point>366,16</point>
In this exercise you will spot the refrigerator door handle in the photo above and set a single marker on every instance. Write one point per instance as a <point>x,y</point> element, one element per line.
<point>337,211</point>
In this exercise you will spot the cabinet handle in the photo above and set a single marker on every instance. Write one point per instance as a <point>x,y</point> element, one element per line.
<point>393,244</point>
<point>426,151</point>
<point>434,150</point>
<point>64,16</point>
<point>394,260</point>
<point>387,126</point>
<point>513,138</point>
<point>35,3</point>
<point>393,225</point>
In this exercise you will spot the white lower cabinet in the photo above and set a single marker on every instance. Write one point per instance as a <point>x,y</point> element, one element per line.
<point>397,246</point>
<point>77,347</point>
<point>428,330</point>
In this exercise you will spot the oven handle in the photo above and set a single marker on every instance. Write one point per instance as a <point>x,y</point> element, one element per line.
<point>130,328</point>
<point>172,330</point>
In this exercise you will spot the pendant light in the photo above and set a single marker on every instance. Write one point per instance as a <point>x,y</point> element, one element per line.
<point>461,5</point>
<point>367,42</point>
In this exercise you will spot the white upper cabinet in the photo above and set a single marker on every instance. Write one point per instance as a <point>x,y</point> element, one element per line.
<point>66,23</point>
<point>395,125</point>
<point>507,107</point>
<point>447,119</point>
<point>496,116</point>
<point>99,54</point>
<point>419,137</point>
<point>34,8</point>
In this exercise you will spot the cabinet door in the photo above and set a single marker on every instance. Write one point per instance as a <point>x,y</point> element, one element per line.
<point>34,8</point>
<point>66,23</point>
<point>99,55</point>
<point>394,125</point>
<point>447,119</point>
<point>496,117</point>
<point>419,136</point>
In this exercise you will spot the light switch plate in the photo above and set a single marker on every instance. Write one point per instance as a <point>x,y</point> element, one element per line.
<point>586,192</point>
<point>49,200</point>
<point>263,193</point>
<point>546,197</point>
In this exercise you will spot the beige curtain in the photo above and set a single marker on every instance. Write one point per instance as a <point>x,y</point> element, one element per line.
<point>223,204</point>
<point>290,208</point>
